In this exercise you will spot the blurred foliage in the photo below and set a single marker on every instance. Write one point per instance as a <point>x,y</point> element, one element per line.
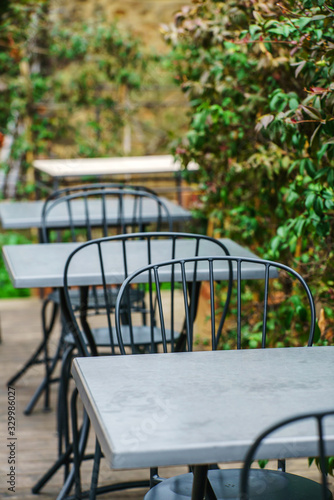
<point>6,288</point>
<point>259,79</point>
<point>69,89</point>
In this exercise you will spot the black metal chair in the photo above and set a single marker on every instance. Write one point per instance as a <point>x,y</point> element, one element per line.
<point>89,333</point>
<point>264,483</point>
<point>188,272</point>
<point>226,319</point>
<point>84,214</point>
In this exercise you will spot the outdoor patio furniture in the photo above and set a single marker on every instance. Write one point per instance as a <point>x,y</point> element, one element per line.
<point>188,271</point>
<point>21,215</point>
<point>126,166</point>
<point>146,339</point>
<point>42,266</point>
<point>79,214</point>
<point>264,483</point>
<point>204,407</point>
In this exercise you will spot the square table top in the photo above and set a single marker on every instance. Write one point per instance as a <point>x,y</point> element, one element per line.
<point>28,214</point>
<point>127,165</point>
<point>42,265</point>
<point>205,407</point>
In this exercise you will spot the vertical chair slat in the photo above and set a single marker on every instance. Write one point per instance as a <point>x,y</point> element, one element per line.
<point>265,306</point>
<point>160,309</point>
<point>69,212</point>
<point>104,214</point>
<point>87,218</point>
<point>238,303</point>
<point>186,306</point>
<point>106,298</point>
<point>212,303</point>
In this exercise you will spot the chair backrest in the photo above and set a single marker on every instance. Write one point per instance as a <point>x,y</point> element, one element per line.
<point>320,419</point>
<point>86,214</point>
<point>252,313</point>
<point>111,260</point>
<point>89,186</point>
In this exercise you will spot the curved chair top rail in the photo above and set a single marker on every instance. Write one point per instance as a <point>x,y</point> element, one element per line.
<point>319,418</point>
<point>185,275</point>
<point>95,185</point>
<point>134,217</point>
<point>148,237</point>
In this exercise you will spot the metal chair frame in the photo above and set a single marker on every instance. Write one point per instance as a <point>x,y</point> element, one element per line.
<point>187,271</point>
<point>319,418</point>
<point>41,355</point>
<point>85,343</point>
<point>136,219</point>
<point>186,276</point>
<point>235,483</point>
<point>180,271</point>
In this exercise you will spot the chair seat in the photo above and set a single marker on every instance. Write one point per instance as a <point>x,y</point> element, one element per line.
<point>263,485</point>
<point>141,335</point>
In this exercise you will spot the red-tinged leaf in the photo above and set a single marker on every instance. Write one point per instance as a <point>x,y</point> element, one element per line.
<point>318,90</point>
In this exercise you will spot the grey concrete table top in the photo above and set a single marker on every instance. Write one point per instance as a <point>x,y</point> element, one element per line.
<point>205,407</point>
<point>154,164</point>
<point>42,265</point>
<point>28,214</point>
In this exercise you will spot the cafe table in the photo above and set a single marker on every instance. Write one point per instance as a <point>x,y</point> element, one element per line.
<point>205,407</point>
<point>42,265</point>
<point>28,214</point>
<point>124,166</point>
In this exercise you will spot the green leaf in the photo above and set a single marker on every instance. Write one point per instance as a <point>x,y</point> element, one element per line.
<point>317,333</point>
<point>293,103</point>
<point>309,167</point>
<point>318,206</point>
<point>310,200</point>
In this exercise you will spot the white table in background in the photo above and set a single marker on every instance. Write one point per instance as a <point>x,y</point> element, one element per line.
<point>118,166</point>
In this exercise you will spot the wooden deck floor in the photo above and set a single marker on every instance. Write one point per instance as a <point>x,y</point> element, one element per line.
<point>36,444</point>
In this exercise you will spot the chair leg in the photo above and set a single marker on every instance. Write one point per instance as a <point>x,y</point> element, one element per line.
<point>64,459</point>
<point>96,470</point>
<point>281,465</point>
<point>79,453</point>
<point>62,411</point>
<point>49,368</point>
<point>47,329</point>
<point>75,435</point>
<point>33,360</point>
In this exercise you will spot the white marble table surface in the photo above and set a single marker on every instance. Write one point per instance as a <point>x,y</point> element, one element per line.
<point>205,407</point>
<point>28,214</point>
<point>42,265</point>
<point>127,165</point>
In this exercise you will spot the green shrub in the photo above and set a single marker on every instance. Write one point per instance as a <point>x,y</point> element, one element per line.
<point>258,76</point>
<point>6,288</point>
